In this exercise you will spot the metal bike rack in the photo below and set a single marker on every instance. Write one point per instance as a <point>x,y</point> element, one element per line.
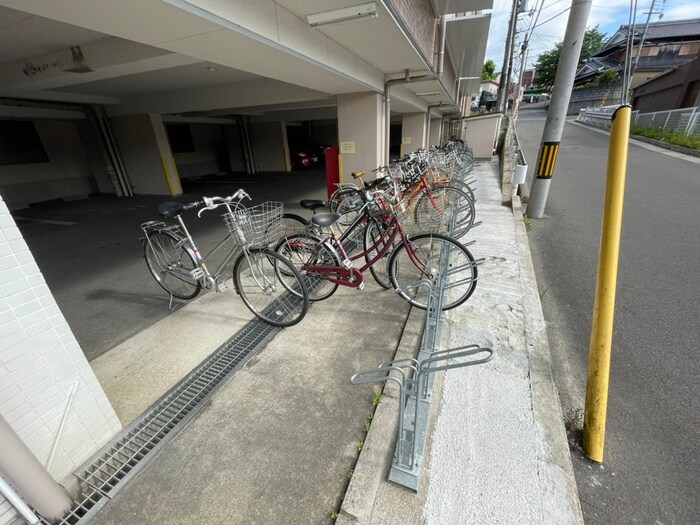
<point>415,378</point>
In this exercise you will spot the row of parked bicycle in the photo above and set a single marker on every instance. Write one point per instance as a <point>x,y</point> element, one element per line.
<point>404,226</point>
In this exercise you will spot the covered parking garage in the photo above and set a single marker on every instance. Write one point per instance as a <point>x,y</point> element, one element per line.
<point>119,105</point>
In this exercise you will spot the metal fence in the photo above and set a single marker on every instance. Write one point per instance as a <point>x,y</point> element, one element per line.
<point>685,121</point>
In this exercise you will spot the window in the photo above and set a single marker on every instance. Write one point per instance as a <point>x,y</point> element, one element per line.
<point>689,49</point>
<point>20,143</point>
<point>180,138</point>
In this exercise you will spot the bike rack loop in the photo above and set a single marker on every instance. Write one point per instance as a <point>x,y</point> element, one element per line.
<point>415,378</point>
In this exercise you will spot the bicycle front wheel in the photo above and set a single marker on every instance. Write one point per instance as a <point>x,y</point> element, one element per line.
<point>423,260</point>
<point>271,287</point>
<point>444,209</point>
<point>171,264</point>
<point>303,250</point>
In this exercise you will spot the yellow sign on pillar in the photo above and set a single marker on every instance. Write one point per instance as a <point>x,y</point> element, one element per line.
<point>547,160</point>
<point>347,147</point>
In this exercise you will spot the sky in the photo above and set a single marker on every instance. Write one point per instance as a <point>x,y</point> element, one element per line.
<point>608,15</point>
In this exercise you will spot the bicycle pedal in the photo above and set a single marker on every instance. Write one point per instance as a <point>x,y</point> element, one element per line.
<point>347,263</point>
<point>197,273</point>
<point>361,287</point>
<point>223,287</point>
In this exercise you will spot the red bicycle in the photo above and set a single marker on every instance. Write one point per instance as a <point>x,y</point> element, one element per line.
<point>413,266</point>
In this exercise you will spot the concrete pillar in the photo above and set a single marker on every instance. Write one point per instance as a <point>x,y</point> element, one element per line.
<point>435,132</point>
<point>25,472</point>
<point>269,141</point>
<point>412,132</point>
<point>143,143</point>
<point>360,133</point>
<point>234,146</point>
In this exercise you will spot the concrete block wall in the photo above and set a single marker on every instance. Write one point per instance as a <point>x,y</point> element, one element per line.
<point>67,174</point>
<point>41,363</point>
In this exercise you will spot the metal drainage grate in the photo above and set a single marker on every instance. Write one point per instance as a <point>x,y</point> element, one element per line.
<point>111,468</point>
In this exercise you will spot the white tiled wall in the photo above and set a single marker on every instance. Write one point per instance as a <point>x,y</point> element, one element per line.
<point>40,363</point>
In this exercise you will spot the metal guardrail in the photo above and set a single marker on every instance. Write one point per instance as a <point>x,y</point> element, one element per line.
<point>517,163</point>
<point>685,121</point>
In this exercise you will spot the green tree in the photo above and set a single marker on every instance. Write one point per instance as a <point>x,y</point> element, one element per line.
<point>608,78</point>
<point>488,72</point>
<point>548,61</point>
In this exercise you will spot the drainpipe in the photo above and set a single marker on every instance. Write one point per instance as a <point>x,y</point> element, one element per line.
<point>443,38</point>
<point>110,143</point>
<point>17,502</point>
<point>408,79</point>
<point>19,465</point>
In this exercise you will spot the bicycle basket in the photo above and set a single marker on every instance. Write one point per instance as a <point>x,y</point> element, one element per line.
<point>256,226</point>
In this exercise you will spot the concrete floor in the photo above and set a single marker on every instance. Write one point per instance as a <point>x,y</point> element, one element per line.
<point>91,256</point>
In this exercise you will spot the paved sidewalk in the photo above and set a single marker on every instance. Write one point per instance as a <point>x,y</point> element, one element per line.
<point>278,443</point>
<point>497,451</point>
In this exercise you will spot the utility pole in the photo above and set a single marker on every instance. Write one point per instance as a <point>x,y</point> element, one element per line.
<point>556,116</point>
<point>507,57</point>
<point>519,87</point>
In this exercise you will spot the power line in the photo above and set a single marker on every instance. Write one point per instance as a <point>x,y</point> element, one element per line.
<point>552,18</point>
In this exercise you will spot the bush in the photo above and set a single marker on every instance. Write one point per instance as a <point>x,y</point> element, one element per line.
<point>672,137</point>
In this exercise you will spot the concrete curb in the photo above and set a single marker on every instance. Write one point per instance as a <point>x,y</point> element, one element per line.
<point>374,462</point>
<point>556,469</point>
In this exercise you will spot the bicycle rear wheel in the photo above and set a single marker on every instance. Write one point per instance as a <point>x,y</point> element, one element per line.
<point>271,287</point>
<point>171,264</point>
<point>379,270</point>
<point>292,223</point>
<point>302,250</point>
<point>340,195</point>
<point>437,255</point>
<point>444,209</point>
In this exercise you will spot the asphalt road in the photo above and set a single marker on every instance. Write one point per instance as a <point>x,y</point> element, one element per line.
<point>651,471</point>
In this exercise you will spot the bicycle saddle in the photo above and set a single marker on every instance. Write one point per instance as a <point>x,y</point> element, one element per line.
<point>171,209</point>
<point>311,204</point>
<point>357,174</point>
<point>325,219</point>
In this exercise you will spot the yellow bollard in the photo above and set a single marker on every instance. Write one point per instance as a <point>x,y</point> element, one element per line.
<point>604,306</point>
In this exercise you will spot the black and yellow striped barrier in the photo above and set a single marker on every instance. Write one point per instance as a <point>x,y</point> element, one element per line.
<point>547,160</point>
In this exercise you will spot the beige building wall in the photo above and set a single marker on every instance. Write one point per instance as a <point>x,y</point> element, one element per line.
<point>435,138</point>
<point>413,130</point>
<point>360,133</point>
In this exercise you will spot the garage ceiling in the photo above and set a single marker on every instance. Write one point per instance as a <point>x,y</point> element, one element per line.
<point>194,59</point>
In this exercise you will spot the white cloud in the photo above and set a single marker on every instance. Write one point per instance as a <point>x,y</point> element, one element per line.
<point>608,15</point>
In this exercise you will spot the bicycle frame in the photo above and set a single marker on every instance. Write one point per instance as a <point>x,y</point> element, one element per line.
<point>413,192</point>
<point>208,280</point>
<point>353,277</point>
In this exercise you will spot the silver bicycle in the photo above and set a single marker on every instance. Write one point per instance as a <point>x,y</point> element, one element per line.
<point>269,284</point>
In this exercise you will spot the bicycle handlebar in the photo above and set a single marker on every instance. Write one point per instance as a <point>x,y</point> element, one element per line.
<point>211,203</point>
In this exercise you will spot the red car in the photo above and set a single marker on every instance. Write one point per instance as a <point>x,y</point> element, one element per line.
<point>301,159</point>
